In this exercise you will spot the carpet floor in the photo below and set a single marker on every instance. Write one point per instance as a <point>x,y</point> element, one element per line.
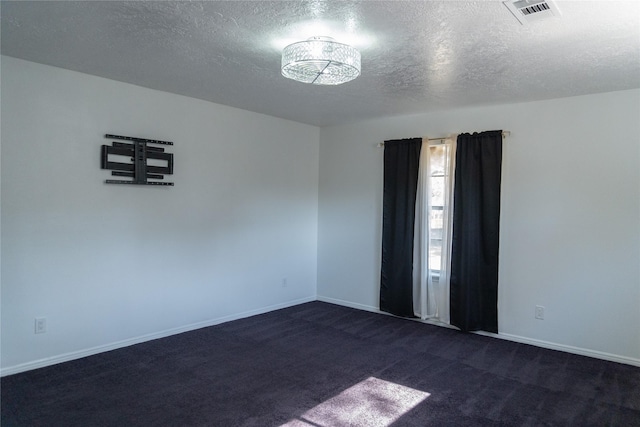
<point>319,364</point>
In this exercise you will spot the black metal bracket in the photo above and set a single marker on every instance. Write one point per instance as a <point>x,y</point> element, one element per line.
<point>139,152</point>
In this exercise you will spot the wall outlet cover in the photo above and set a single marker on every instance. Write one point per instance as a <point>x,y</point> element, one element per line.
<point>40,325</point>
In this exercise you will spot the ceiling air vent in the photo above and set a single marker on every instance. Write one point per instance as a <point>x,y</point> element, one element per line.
<point>527,11</point>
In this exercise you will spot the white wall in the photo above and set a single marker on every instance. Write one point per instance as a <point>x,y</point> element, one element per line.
<point>111,265</point>
<point>107,263</point>
<point>570,222</point>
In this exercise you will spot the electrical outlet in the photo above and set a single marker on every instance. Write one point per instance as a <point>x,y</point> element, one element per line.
<point>539,312</point>
<point>41,325</point>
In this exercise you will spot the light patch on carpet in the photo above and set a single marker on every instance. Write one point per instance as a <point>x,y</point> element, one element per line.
<point>372,403</point>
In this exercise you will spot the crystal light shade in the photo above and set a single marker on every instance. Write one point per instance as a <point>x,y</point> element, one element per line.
<point>320,61</point>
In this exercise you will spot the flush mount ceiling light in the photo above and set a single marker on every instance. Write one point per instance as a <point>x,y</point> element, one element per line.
<point>320,61</point>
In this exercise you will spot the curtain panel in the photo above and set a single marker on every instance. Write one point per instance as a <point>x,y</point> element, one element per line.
<point>476,232</point>
<point>401,165</point>
<point>432,234</point>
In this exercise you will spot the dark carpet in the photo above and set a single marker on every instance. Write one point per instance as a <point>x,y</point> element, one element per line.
<point>319,364</point>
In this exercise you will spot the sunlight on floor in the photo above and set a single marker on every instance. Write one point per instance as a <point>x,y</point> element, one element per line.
<point>372,403</point>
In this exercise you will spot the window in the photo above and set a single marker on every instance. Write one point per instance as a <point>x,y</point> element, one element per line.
<point>432,235</point>
<point>438,162</point>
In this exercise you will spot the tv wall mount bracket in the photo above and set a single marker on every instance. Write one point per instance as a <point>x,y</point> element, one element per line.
<point>139,151</point>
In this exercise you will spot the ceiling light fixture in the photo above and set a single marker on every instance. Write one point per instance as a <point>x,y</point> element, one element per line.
<point>320,61</point>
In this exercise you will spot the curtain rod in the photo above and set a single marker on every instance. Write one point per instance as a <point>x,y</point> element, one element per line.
<point>505,134</point>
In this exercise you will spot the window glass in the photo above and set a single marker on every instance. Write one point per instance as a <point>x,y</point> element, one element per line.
<point>438,158</point>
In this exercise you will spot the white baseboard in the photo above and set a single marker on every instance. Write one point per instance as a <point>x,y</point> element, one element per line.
<point>510,337</point>
<point>137,340</point>
<point>350,304</point>
<point>41,363</point>
<point>566,348</point>
<point>377,310</point>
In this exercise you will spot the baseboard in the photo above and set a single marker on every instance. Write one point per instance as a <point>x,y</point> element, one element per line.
<point>350,304</point>
<point>137,340</point>
<point>509,337</point>
<point>566,348</point>
<point>66,357</point>
<point>377,310</point>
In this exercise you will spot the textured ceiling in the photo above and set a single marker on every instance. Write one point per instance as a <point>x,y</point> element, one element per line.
<point>417,56</point>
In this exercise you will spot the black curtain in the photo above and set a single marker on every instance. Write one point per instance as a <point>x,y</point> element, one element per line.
<point>401,162</point>
<point>476,232</point>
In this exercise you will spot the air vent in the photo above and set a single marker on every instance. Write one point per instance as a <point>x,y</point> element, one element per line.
<point>527,11</point>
